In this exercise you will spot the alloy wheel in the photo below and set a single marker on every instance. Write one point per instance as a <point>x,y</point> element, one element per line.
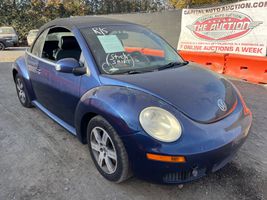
<point>21,92</point>
<point>103,150</point>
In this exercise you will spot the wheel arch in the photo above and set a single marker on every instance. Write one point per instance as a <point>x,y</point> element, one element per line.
<point>86,118</point>
<point>104,101</point>
<point>20,67</point>
<point>3,43</point>
<point>82,120</point>
<point>14,73</point>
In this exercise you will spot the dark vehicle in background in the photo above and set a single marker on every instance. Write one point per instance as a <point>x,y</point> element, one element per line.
<point>31,36</point>
<point>8,37</point>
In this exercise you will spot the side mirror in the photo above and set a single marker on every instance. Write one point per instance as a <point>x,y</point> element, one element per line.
<point>70,65</point>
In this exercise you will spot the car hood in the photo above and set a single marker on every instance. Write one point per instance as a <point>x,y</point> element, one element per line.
<point>194,91</point>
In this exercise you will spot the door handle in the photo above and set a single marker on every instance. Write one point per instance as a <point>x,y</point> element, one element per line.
<point>38,70</point>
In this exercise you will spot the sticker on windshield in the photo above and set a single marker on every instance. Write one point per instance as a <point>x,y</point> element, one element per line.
<point>110,43</point>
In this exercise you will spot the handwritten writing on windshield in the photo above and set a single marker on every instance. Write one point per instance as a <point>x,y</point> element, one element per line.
<point>100,31</point>
<point>120,59</point>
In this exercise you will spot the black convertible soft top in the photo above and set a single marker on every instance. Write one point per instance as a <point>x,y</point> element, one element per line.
<point>80,22</point>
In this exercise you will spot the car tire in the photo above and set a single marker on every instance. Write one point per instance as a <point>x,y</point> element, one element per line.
<point>2,46</point>
<point>22,92</point>
<point>107,150</point>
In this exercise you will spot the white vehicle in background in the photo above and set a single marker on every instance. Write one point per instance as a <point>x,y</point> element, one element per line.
<point>8,37</point>
<point>31,36</point>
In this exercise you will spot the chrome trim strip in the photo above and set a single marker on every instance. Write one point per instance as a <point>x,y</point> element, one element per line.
<point>55,118</point>
<point>41,59</point>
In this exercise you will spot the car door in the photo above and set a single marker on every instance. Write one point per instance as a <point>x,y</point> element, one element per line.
<point>38,77</point>
<point>62,90</point>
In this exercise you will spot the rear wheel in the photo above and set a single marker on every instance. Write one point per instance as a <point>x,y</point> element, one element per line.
<point>2,46</point>
<point>107,150</point>
<point>22,92</point>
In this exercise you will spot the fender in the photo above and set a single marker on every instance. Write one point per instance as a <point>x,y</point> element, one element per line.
<point>20,67</point>
<point>120,106</point>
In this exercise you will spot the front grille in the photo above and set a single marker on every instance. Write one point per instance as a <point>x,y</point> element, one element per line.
<point>177,176</point>
<point>183,176</point>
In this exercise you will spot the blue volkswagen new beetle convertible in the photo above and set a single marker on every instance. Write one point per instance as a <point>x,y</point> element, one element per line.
<point>141,108</point>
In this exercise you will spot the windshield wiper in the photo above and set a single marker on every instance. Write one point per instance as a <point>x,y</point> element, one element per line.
<point>172,64</point>
<point>152,69</point>
<point>131,71</point>
<point>138,71</point>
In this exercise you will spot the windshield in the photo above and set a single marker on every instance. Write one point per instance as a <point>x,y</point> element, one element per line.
<point>7,30</point>
<point>119,49</point>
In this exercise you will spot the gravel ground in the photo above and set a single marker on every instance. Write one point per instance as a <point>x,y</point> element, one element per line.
<point>41,160</point>
<point>10,54</point>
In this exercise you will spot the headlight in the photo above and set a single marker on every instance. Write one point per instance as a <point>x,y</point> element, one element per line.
<point>160,124</point>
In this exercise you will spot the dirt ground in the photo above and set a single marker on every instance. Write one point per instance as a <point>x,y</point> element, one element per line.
<point>10,54</point>
<point>41,160</point>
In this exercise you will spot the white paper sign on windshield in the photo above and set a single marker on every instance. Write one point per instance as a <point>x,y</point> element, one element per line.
<point>110,43</point>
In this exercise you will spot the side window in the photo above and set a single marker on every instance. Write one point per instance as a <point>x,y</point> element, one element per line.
<point>38,45</point>
<point>60,43</point>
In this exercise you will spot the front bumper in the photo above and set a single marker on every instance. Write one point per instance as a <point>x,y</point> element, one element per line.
<point>196,165</point>
<point>217,144</point>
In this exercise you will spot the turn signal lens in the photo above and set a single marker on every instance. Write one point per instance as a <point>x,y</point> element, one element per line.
<point>174,159</point>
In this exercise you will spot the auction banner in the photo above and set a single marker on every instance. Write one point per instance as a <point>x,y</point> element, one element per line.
<point>239,28</point>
